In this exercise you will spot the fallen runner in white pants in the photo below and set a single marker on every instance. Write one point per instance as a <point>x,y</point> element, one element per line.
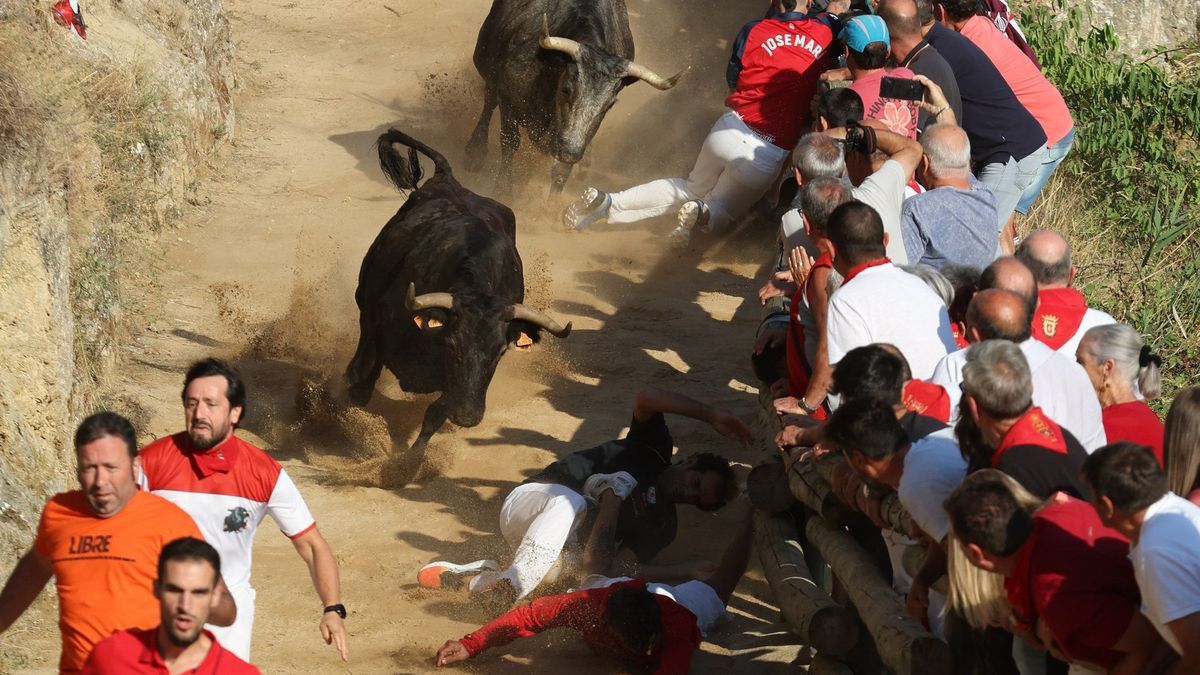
<point>621,495</point>
<point>735,168</point>
<point>643,627</point>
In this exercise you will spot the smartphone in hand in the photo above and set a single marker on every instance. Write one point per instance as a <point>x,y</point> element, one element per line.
<point>901,88</point>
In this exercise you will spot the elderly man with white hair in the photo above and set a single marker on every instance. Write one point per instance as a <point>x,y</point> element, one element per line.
<point>954,221</point>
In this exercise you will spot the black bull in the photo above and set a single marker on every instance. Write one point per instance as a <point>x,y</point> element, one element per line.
<point>460,249</point>
<point>554,67</point>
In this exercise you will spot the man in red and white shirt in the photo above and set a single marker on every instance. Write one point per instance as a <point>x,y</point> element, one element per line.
<point>189,571</point>
<point>772,75</point>
<point>645,627</point>
<point>1062,315</point>
<point>227,486</point>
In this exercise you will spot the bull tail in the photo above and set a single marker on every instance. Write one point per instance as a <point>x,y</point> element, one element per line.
<point>405,172</point>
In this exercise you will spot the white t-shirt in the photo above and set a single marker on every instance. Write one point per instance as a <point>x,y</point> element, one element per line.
<point>933,467</point>
<point>1091,319</point>
<point>886,304</point>
<point>884,191</point>
<point>1166,562</point>
<point>1060,388</point>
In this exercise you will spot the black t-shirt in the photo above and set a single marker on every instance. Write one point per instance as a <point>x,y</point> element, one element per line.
<point>645,524</point>
<point>918,426</point>
<point>997,124</point>
<point>1044,471</point>
<point>925,60</point>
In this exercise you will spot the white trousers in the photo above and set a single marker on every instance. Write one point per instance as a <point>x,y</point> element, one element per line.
<point>734,170</point>
<point>236,638</point>
<point>538,519</point>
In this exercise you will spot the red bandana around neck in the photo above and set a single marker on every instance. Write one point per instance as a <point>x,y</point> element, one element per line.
<point>855,271</point>
<point>216,459</point>
<point>1060,312</point>
<point>1033,428</point>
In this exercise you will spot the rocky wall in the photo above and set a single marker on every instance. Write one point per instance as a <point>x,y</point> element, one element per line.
<point>99,141</point>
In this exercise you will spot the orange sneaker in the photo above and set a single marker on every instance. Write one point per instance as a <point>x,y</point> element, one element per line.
<point>448,575</point>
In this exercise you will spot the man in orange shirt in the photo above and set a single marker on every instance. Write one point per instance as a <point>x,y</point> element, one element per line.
<point>101,543</point>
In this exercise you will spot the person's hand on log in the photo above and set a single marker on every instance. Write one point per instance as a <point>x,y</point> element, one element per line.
<point>789,405</point>
<point>781,283</point>
<point>917,602</point>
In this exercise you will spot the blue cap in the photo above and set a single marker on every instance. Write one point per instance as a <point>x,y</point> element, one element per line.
<point>863,30</point>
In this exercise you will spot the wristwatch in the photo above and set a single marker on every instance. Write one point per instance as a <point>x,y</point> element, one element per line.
<point>339,608</point>
<point>806,407</point>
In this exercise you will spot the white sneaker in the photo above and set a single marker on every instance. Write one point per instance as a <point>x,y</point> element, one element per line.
<point>442,574</point>
<point>591,206</point>
<point>692,215</point>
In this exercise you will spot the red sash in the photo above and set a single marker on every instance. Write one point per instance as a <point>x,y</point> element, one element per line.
<point>1033,428</point>
<point>799,370</point>
<point>855,271</point>
<point>927,398</point>
<point>1060,312</point>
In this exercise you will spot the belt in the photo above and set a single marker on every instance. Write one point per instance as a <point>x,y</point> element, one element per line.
<point>768,138</point>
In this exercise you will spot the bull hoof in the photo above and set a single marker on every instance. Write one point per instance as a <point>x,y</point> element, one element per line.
<point>360,395</point>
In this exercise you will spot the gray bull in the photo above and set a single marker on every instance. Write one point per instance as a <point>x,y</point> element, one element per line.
<point>554,67</point>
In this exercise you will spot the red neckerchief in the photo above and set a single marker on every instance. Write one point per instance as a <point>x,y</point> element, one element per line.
<point>798,367</point>
<point>1033,428</point>
<point>859,269</point>
<point>927,398</point>
<point>1060,312</point>
<point>915,186</point>
<point>220,458</point>
<point>960,334</point>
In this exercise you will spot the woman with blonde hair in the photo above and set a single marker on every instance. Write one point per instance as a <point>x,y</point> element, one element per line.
<point>1125,373</point>
<point>1181,446</point>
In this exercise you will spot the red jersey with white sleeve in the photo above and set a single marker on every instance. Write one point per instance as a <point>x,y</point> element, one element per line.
<point>227,490</point>
<point>774,71</point>
<point>583,611</point>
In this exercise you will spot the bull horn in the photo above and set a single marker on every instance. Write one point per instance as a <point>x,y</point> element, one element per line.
<point>652,78</point>
<point>541,319</point>
<point>416,302</point>
<point>558,44</point>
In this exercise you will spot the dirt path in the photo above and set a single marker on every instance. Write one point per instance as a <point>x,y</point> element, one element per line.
<point>265,273</point>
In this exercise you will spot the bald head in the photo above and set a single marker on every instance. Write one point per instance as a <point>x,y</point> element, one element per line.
<point>948,150</point>
<point>901,18</point>
<point>998,315</point>
<point>1010,274</point>
<point>1048,256</point>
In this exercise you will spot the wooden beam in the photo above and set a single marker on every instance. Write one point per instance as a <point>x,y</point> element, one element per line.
<point>904,645</point>
<point>824,625</point>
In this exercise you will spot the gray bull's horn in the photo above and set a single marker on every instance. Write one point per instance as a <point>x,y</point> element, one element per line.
<point>559,44</point>
<point>542,319</point>
<point>416,302</point>
<point>652,78</point>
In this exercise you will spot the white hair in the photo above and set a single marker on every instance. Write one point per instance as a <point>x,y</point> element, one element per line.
<point>948,150</point>
<point>1123,344</point>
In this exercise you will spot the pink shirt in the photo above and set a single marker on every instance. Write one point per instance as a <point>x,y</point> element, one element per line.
<point>1033,90</point>
<point>900,116</point>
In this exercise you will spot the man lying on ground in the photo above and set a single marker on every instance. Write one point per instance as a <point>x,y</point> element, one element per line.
<point>620,494</point>
<point>646,627</point>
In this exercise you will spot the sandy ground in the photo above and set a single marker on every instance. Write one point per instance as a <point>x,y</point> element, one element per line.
<point>265,271</point>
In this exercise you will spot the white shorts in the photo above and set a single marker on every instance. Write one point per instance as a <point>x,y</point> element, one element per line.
<point>696,596</point>
<point>236,638</point>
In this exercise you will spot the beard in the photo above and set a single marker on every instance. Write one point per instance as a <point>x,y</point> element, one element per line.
<point>185,639</point>
<point>216,435</point>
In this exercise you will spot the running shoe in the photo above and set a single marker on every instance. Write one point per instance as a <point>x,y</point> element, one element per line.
<point>591,206</point>
<point>692,215</point>
<point>448,575</point>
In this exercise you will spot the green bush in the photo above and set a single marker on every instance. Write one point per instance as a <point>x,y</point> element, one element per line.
<point>1136,170</point>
